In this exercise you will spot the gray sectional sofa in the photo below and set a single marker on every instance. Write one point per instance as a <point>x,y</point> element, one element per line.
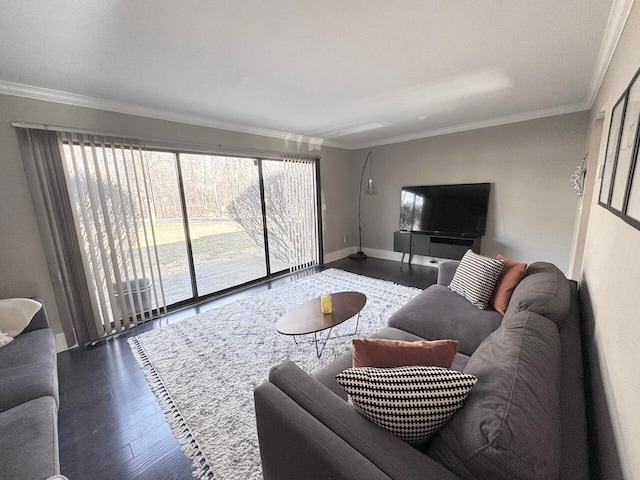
<point>29,404</point>
<point>525,418</point>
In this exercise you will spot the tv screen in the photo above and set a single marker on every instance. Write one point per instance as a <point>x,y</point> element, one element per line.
<point>445,209</point>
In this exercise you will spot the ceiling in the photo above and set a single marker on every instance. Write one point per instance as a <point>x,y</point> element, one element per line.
<point>346,73</point>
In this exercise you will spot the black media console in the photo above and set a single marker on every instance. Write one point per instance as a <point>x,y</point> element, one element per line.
<point>432,245</point>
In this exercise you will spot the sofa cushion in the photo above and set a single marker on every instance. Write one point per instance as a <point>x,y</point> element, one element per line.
<point>544,290</point>
<point>28,369</point>
<point>327,374</point>
<point>438,312</point>
<point>387,353</point>
<point>476,277</point>
<point>410,402</point>
<point>510,424</point>
<point>29,440</point>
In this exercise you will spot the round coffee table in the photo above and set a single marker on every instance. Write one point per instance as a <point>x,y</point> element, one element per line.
<point>308,318</point>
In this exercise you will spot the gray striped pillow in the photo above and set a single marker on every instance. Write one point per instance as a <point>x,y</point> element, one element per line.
<point>476,278</point>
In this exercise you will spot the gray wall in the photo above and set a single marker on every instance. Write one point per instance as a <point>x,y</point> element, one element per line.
<point>609,286</point>
<point>23,267</point>
<point>532,204</point>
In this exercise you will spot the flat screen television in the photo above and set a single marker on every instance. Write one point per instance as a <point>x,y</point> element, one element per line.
<point>456,210</point>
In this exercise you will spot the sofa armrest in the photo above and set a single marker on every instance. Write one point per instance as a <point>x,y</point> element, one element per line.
<point>294,445</point>
<point>39,320</point>
<point>387,452</point>
<point>446,271</point>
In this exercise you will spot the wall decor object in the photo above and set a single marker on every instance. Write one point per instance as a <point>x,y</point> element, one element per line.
<point>626,149</point>
<point>579,174</point>
<point>613,142</point>
<point>631,212</point>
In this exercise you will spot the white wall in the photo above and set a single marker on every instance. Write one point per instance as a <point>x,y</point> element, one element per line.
<point>610,284</point>
<point>23,267</point>
<point>532,204</point>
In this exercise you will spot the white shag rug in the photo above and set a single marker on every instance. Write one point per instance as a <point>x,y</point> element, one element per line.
<point>203,369</point>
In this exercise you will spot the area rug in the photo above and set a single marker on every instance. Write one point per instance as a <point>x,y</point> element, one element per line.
<point>203,369</point>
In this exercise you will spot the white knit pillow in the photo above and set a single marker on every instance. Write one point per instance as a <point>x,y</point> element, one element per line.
<point>476,278</point>
<point>16,314</point>
<point>410,402</point>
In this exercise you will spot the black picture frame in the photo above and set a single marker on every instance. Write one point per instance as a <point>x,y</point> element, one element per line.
<point>631,207</point>
<point>621,177</point>
<point>611,153</point>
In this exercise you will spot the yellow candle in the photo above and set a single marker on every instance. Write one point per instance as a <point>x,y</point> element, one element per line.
<point>325,304</point>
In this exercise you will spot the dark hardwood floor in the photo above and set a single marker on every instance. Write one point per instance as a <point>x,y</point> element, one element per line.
<point>110,425</point>
<point>409,275</point>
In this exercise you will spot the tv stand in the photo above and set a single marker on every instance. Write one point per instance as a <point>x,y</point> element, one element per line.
<point>434,245</point>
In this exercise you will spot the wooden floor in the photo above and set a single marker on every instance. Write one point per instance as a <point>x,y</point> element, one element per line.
<point>110,425</point>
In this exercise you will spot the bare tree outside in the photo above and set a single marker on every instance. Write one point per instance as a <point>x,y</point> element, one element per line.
<point>242,210</point>
<point>224,213</point>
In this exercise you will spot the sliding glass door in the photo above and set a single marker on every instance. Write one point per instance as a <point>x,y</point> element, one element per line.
<point>158,228</point>
<point>171,239</point>
<point>224,218</point>
<point>225,221</point>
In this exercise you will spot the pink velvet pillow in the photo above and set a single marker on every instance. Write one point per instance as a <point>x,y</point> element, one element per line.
<point>381,353</point>
<point>512,273</point>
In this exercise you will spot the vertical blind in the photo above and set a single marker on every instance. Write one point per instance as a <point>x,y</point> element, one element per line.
<point>108,183</point>
<point>302,232</point>
<point>94,203</point>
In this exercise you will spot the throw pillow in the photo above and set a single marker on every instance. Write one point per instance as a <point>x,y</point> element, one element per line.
<point>476,278</point>
<point>410,402</point>
<point>382,353</point>
<point>512,273</point>
<point>4,339</point>
<point>16,314</point>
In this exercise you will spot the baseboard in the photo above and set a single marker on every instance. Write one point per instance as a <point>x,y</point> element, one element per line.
<point>397,256</point>
<point>333,256</point>
<point>61,343</point>
<point>384,255</point>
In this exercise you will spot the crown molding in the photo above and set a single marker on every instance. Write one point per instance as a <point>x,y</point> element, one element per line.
<point>492,122</point>
<point>615,25</point>
<point>57,96</point>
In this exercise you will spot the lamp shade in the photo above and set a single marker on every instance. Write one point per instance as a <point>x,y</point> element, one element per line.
<point>371,188</point>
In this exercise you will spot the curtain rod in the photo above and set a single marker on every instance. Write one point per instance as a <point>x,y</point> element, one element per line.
<point>166,144</point>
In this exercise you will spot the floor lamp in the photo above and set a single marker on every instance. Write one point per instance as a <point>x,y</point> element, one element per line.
<point>370,190</point>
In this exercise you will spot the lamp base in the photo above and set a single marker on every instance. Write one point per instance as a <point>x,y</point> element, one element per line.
<point>358,256</point>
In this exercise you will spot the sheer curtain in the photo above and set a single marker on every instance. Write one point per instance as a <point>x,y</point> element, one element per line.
<point>94,193</point>
<point>302,229</point>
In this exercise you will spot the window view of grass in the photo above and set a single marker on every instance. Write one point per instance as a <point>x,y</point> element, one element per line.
<point>223,202</point>
<point>243,260</point>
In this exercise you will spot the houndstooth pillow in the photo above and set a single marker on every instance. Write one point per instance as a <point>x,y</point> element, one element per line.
<point>410,402</point>
<point>476,278</point>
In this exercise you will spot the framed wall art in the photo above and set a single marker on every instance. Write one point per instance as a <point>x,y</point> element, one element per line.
<point>613,142</point>
<point>626,149</point>
<point>631,213</point>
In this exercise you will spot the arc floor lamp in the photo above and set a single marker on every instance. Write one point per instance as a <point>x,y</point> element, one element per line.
<point>370,190</point>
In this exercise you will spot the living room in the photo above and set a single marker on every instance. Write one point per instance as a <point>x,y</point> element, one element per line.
<point>527,153</point>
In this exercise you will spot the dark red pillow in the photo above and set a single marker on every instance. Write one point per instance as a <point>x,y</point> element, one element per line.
<point>381,353</point>
<point>512,273</point>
